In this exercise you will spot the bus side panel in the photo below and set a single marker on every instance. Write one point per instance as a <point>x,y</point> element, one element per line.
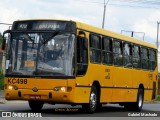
<point>141,77</point>
<point>106,84</point>
<point>153,85</point>
<point>99,73</point>
<point>102,74</point>
<point>82,94</point>
<point>122,82</point>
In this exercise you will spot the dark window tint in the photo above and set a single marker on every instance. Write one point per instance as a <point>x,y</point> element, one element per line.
<point>107,55</point>
<point>118,56</point>
<point>127,55</point>
<point>117,47</point>
<point>145,58</point>
<point>82,55</point>
<point>95,48</point>
<point>95,42</point>
<point>107,44</point>
<point>153,62</point>
<point>136,57</point>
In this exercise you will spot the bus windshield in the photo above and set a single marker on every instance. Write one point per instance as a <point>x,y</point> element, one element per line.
<point>41,54</point>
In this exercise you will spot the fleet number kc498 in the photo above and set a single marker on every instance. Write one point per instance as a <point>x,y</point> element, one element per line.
<point>17,81</point>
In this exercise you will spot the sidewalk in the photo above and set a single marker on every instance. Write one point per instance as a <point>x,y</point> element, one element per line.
<point>2,100</point>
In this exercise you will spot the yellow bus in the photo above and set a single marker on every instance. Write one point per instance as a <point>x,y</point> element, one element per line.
<point>69,62</point>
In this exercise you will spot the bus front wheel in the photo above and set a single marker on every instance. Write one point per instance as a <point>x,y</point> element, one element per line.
<point>92,105</point>
<point>36,105</point>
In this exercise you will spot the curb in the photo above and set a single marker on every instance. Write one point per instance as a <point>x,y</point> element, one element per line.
<point>16,101</point>
<point>2,101</point>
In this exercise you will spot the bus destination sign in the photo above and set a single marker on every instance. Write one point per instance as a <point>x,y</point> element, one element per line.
<point>49,26</point>
<point>40,25</point>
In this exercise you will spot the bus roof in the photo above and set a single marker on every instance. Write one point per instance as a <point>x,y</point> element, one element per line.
<point>105,32</point>
<point>114,35</point>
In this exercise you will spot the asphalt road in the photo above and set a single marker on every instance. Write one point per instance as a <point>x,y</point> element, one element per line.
<point>109,110</point>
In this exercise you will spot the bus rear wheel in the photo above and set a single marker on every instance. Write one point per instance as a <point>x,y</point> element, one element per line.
<point>36,105</point>
<point>136,106</point>
<point>92,105</point>
<point>140,97</point>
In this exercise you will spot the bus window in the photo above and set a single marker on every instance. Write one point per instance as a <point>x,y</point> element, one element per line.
<point>136,57</point>
<point>117,49</point>
<point>127,55</point>
<point>82,55</point>
<point>107,55</point>
<point>145,59</point>
<point>152,60</point>
<point>95,49</point>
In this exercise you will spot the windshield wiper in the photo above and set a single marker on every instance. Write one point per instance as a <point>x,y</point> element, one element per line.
<point>39,72</point>
<point>54,34</point>
<point>16,73</point>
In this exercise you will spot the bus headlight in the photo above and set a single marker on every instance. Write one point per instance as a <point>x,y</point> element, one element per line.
<point>10,87</point>
<point>63,89</point>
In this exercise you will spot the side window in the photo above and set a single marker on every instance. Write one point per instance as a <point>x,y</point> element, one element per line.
<point>145,58</point>
<point>82,55</point>
<point>118,54</point>
<point>127,55</point>
<point>95,48</point>
<point>136,57</point>
<point>153,62</point>
<point>107,55</point>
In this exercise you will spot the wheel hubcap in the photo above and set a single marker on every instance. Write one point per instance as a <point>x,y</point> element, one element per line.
<point>93,100</point>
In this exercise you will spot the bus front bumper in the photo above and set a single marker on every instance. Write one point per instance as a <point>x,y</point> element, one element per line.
<point>40,95</point>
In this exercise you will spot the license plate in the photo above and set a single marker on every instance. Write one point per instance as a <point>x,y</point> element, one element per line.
<point>35,97</point>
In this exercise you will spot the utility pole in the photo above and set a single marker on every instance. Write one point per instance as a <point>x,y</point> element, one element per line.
<point>104,13</point>
<point>157,33</point>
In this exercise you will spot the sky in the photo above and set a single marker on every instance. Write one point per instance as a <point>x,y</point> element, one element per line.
<point>121,15</point>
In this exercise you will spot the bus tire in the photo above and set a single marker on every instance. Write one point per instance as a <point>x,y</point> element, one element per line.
<point>137,106</point>
<point>99,107</point>
<point>36,105</point>
<point>92,105</point>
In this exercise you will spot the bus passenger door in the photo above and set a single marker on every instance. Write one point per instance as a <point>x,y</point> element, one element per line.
<point>81,70</point>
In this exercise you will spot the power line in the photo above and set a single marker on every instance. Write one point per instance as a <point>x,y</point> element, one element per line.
<point>149,2</point>
<point>134,5</point>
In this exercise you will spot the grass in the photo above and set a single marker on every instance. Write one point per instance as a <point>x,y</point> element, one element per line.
<point>158,98</point>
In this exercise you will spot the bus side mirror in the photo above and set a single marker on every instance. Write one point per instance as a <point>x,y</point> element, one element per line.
<point>4,44</point>
<point>4,39</point>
